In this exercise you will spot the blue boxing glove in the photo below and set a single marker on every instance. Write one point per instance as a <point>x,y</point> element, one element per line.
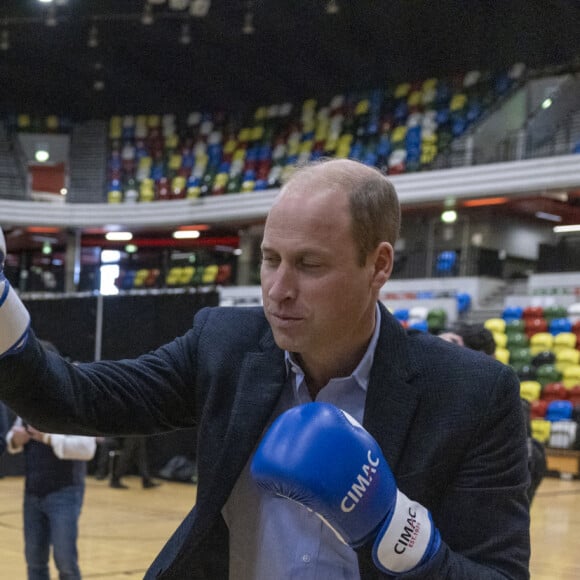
<point>322,458</point>
<point>14,318</point>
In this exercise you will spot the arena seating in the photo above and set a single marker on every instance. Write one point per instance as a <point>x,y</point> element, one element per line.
<point>542,345</point>
<point>400,129</point>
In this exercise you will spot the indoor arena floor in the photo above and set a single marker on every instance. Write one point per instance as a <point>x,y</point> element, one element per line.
<point>121,531</point>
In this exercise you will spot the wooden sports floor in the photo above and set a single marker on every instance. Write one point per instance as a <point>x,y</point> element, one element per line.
<point>122,530</point>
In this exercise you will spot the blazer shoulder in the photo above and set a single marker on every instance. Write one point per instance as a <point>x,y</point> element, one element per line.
<point>230,322</point>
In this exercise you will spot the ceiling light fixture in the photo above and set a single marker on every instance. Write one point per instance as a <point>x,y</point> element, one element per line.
<point>42,153</point>
<point>449,216</point>
<point>5,39</point>
<point>93,38</point>
<point>147,16</point>
<point>185,34</point>
<point>332,7</point>
<point>51,19</point>
<point>186,234</point>
<point>199,8</point>
<point>566,229</point>
<point>248,27</point>
<point>548,216</point>
<point>118,236</point>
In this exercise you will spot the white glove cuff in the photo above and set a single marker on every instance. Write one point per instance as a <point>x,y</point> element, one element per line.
<point>402,542</point>
<point>14,320</point>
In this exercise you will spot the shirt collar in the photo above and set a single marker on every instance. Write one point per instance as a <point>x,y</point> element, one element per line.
<point>361,373</point>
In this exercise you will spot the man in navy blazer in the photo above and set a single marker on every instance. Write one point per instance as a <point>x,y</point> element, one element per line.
<point>447,419</point>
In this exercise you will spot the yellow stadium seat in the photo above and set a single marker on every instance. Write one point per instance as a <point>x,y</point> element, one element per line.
<point>567,339</point>
<point>173,276</point>
<point>414,98</point>
<point>530,390</point>
<point>495,325</point>
<point>502,355</point>
<point>114,196</point>
<point>52,123</point>
<point>429,84</point>
<point>571,376</point>
<point>362,107</point>
<point>23,122</point>
<point>458,102</point>
<point>568,356</point>
<point>402,90</point>
<point>140,277</point>
<point>186,275</point>
<point>542,340</point>
<point>541,430</point>
<point>153,121</point>
<point>209,274</point>
<point>500,339</point>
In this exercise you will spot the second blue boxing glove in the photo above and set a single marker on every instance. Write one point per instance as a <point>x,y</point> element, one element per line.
<point>320,457</point>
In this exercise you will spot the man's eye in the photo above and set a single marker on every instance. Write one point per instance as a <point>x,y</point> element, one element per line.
<point>310,265</point>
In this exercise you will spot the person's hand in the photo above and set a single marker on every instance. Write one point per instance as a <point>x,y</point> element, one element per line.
<point>36,434</point>
<point>20,436</point>
<point>320,457</point>
<point>14,318</point>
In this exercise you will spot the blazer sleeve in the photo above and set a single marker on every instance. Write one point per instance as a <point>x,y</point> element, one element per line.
<point>484,517</point>
<point>152,393</point>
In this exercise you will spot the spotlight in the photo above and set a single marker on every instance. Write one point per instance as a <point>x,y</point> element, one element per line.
<point>119,236</point>
<point>93,38</point>
<point>51,19</point>
<point>42,154</point>
<point>332,7</point>
<point>199,8</point>
<point>5,39</point>
<point>186,234</point>
<point>147,16</point>
<point>185,35</point>
<point>449,216</point>
<point>248,27</point>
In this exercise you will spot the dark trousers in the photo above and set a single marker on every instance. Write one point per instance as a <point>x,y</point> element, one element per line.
<point>133,451</point>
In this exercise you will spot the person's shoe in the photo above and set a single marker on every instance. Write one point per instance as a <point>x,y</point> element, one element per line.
<point>118,485</point>
<point>149,484</point>
<point>100,476</point>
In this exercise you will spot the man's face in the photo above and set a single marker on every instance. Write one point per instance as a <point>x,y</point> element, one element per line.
<point>317,297</point>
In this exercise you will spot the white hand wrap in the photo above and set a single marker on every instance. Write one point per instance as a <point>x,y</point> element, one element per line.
<point>14,320</point>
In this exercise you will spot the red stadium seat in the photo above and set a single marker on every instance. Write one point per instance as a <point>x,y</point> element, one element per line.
<point>535,325</point>
<point>533,312</point>
<point>554,392</point>
<point>574,395</point>
<point>538,409</point>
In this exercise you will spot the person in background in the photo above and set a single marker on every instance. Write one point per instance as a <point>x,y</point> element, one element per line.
<point>423,464</point>
<point>55,468</point>
<point>4,426</point>
<point>132,451</point>
<point>477,337</point>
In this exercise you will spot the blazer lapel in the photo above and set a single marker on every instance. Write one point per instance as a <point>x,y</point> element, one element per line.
<point>262,378</point>
<point>391,397</point>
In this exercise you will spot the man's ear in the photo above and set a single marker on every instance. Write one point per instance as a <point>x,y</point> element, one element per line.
<point>384,258</point>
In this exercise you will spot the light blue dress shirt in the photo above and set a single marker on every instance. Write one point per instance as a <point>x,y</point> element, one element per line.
<point>273,538</point>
